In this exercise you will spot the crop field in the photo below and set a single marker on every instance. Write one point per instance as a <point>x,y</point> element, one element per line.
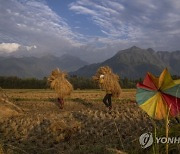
<point>84,125</point>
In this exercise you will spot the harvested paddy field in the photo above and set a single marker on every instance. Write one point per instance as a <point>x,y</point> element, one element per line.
<point>83,126</point>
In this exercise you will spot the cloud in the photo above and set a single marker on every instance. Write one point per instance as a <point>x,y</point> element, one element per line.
<point>82,10</point>
<point>9,47</point>
<point>33,25</point>
<point>115,25</point>
<point>30,47</point>
<point>148,23</point>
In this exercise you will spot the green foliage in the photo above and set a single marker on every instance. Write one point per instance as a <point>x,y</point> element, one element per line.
<point>82,83</point>
<point>13,82</point>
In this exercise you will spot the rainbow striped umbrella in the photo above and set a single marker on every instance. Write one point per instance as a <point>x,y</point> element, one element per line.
<point>156,96</point>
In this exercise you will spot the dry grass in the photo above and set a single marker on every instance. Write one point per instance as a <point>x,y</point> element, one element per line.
<point>1,149</point>
<point>59,83</point>
<point>83,126</point>
<point>109,81</point>
<point>7,108</point>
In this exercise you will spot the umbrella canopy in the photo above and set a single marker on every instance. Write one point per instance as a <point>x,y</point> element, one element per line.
<point>157,96</point>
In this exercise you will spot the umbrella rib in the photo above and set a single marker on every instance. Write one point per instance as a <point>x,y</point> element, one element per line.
<point>165,105</point>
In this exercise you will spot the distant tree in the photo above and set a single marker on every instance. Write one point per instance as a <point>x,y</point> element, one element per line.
<point>13,82</point>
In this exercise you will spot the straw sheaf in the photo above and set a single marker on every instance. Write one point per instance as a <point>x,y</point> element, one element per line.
<point>59,83</point>
<point>1,149</point>
<point>110,81</point>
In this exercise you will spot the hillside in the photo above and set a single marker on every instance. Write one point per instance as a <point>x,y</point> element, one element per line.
<point>38,67</point>
<point>132,63</point>
<point>135,62</point>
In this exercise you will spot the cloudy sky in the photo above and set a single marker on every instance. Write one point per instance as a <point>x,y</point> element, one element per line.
<point>91,29</point>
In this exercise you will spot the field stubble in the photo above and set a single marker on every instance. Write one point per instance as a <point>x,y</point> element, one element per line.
<point>83,126</point>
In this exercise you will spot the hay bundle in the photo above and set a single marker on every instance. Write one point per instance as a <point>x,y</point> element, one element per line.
<point>59,83</point>
<point>5,100</point>
<point>7,108</point>
<point>1,149</point>
<point>108,81</point>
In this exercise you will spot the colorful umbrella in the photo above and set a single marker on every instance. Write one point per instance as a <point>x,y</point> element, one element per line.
<point>157,96</point>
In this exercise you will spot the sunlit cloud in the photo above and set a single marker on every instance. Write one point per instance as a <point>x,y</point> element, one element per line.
<point>9,47</point>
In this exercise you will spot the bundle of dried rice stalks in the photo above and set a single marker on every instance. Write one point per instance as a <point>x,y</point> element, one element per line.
<point>59,83</point>
<point>1,149</point>
<point>108,81</point>
<point>4,101</point>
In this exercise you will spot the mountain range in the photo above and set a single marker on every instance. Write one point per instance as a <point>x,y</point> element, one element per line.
<point>133,63</point>
<point>26,67</point>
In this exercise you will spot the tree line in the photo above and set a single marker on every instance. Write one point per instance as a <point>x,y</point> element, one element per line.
<point>13,82</point>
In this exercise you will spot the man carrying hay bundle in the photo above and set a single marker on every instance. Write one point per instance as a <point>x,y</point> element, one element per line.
<point>108,81</point>
<point>60,84</point>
